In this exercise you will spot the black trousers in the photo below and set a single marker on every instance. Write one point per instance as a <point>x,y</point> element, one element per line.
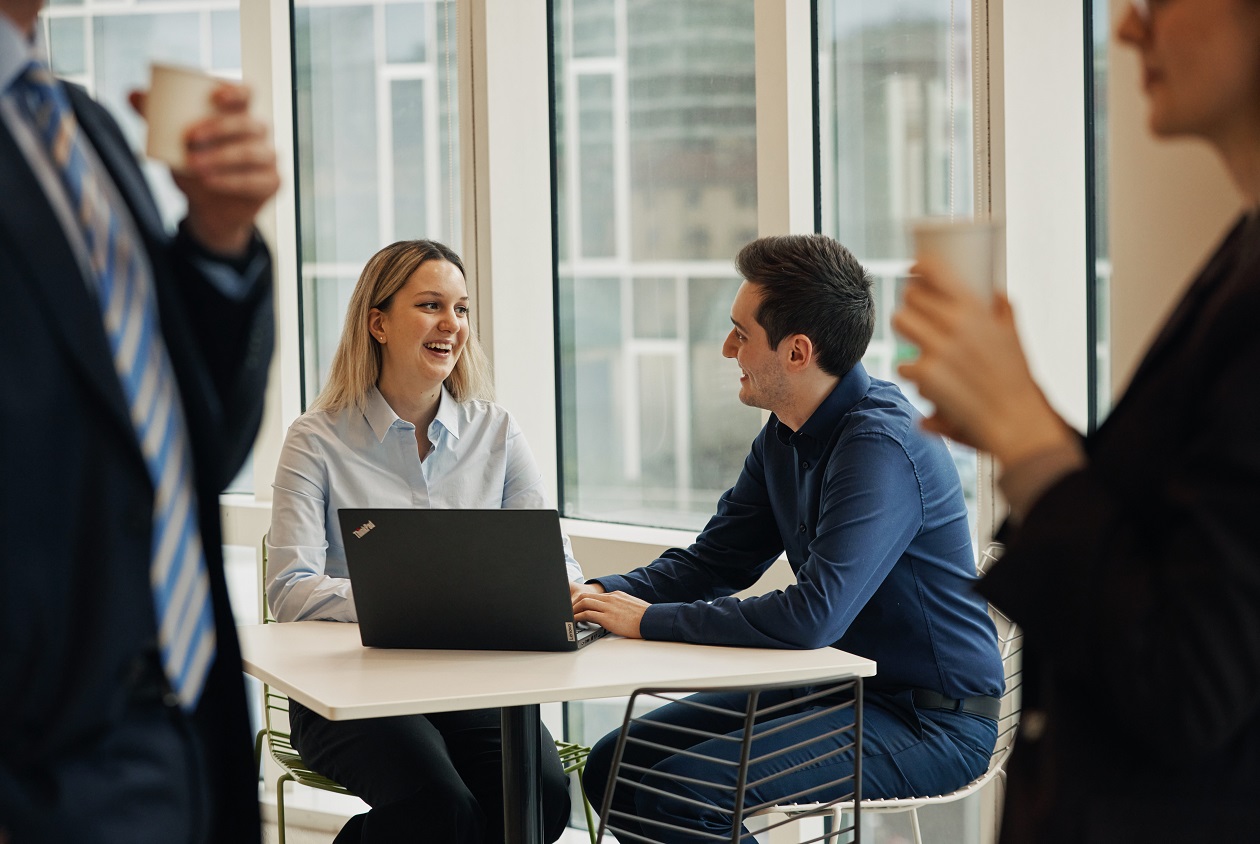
<point>428,778</point>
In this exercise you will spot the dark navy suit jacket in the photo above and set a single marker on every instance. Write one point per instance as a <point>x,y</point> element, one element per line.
<point>76,500</point>
<point>1137,582</point>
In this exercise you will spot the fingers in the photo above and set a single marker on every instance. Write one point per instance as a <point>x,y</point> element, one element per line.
<point>939,277</point>
<point>139,101</point>
<point>924,326</point>
<point>239,169</point>
<point>617,612</point>
<point>231,97</point>
<point>577,590</point>
<point>231,143</point>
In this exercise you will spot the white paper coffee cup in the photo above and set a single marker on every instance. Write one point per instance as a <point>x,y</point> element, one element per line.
<point>178,98</point>
<point>970,248</point>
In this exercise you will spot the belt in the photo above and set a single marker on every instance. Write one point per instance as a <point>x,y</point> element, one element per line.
<point>982,705</point>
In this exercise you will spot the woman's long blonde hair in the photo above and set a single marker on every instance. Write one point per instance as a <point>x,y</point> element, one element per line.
<point>356,365</point>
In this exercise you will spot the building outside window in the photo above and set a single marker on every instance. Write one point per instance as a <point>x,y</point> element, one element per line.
<point>377,151</point>
<point>655,144</point>
<point>107,48</point>
<point>895,115</point>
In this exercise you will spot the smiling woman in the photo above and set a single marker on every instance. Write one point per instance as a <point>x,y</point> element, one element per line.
<point>404,421</point>
<point>403,271</point>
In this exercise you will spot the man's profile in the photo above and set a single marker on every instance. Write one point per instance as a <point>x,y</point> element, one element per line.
<point>870,514</point>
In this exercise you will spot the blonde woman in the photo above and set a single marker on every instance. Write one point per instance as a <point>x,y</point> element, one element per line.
<point>405,420</point>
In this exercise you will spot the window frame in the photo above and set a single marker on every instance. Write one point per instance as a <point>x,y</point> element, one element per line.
<point>1028,66</point>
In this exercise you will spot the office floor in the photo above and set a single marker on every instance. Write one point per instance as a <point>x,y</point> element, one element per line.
<point>314,817</point>
<point>302,835</point>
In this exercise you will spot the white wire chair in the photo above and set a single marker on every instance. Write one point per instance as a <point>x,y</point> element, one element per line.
<point>1010,642</point>
<point>729,776</point>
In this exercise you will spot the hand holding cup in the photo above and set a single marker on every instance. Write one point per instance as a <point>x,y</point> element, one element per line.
<point>220,155</point>
<point>971,365</point>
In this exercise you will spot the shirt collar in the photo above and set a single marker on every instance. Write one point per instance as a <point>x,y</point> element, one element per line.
<point>379,414</point>
<point>16,51</point>
<point>381,417</point>
<point>818,428</point>
<point>448,415</point>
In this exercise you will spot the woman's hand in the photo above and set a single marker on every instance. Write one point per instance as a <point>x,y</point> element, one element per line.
<point>971,366</point>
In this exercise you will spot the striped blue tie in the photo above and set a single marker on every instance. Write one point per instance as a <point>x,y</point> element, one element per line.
<point>124,291</point>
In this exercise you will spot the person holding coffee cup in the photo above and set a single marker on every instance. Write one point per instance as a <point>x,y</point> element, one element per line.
<point>1133,561</point>
<point>135,366</point>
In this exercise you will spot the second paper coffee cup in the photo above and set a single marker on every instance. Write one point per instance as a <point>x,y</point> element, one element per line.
<point>969,247</point>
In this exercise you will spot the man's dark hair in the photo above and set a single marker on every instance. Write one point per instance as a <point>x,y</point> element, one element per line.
<point>812,285</point>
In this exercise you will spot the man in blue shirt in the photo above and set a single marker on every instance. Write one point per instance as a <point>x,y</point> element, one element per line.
<point>870,513</point>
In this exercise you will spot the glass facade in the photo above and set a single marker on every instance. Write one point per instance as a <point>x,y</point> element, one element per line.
<point>107,49</point>
<point>896,129</point>
<point>656,184</point>
<point>376,107</point>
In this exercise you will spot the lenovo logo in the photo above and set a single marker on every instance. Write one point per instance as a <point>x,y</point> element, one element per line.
<point>363,530</point>
<point>568,628</point>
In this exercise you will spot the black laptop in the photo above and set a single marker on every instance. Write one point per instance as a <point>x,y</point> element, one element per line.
<point>461,579</point>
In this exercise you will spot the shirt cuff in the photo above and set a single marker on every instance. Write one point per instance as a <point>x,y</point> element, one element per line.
<point>612,583</point>
<point>1025,481</point>
<point>658,622</point>
<point>233,277</point>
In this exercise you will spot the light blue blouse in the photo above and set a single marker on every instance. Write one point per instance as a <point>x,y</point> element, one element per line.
<point>477,458</point>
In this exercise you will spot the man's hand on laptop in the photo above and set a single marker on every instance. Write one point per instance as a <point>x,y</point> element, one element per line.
<point>616,612</point>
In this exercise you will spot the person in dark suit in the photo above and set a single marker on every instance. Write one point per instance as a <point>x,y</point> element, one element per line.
<point>1133,558</point>
<point>134,368</point>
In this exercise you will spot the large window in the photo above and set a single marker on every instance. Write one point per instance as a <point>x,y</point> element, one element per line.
<point>655,140</point>
<point>1097,215</point>
<point>107,49</point>
<point>376,147</point>
<point>896,145</point>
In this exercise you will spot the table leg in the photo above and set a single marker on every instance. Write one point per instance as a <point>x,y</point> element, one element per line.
<point>522,799</point>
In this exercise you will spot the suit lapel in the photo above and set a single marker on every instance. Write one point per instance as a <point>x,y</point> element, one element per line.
<point>33,234</point>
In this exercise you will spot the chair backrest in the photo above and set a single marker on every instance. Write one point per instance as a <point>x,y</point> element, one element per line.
<point>1010,646</point>
<point>729,769</point>
<point>266,616</point>
<point>275,705</point>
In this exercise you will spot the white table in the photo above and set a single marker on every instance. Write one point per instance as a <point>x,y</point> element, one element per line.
<point>323,666</point>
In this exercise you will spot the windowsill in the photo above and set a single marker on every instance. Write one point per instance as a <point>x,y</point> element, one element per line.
<point>246,519</point>
<point>615,532</point>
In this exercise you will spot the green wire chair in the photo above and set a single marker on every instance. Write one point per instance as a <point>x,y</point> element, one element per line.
<point>275,733</point>
<point>573,757</point>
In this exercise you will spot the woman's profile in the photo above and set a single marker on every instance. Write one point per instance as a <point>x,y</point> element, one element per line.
<point>1133,559</point>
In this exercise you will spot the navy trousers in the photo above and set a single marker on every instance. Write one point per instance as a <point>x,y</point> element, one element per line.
<point>905,753</point>
<point>140,783</point>
<point>436,777</point>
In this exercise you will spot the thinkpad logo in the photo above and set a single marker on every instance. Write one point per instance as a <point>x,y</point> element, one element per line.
<point>363,530</point>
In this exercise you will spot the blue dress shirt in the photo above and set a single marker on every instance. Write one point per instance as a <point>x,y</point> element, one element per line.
<point>477,458</point>
<point>871,515</point>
